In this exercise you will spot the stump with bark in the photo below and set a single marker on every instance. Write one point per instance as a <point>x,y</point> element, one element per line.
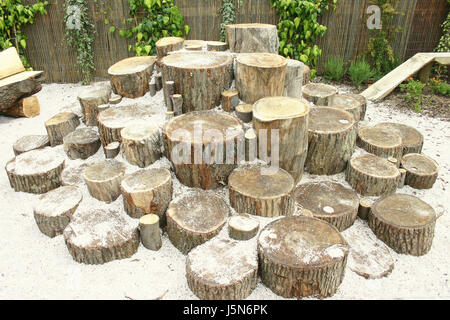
<point>26,107</point>
<point>301,257</point>
<point>18,86</point>
<point>168,44</point>
<point>28,143</point>
<point>141,143</point>
<point>251,145</point>
<point>294,79</point>
<point>318,93</point>
<point>90,100</point>
<point>364,208</point>
<point>412,139</point>
<point>150,232</point>
<point>252,37</point>
<point>242,227</point>
<point>350,104</point>
<point>306,75</point>
<point>381,142</point>
<point>244,112</point>
<point>362,101</point>
<point>115,99</point>
<point>81,143</point>
<point>60,126</point>
<point>421,171</point>
<point>216,46</point>
<point>230,99</point>
<point>112,150</point>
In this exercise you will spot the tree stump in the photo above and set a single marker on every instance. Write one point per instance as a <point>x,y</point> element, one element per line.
<point>329,201</point>
<point>331,142</point>
<point>28,143</point>
<point>169,90</point>
<point>55,209</point>
<point>403,178</point>
<point>318,93</point>
<point>194,43</point>
<point>265,194</point>
<point>404,222</point>
<point>35,171</point>
<point>168,44</point>
<point>244,112</point>
<point>242,227</point>
<point>177,104</point>
<point>200,77</point>
<point>194,219</point>
<point>301,257</point>
<point>381,142</point>
<point>412,139</point>
<point>196,144</point>
<point>251,145</point>
<point>290,117</point>
<point>362,101</point>
<point>81,143</point>
<point>150,232</point>
<point>18,86</point>
<point>230,99</point>
<point>306,75</point>
<point>252,37</point>
<point>364,208</point>
<point>147,192</point>
<point>348,103</point>
<point>294,79</point>
<point>141,142</point>
<point>230,274</point>
<point>260,75</point>
<point>72,175</point>
<point>421,171</point>
<point>60,126</point>
<point>98,236</point>
<point>26,107</point>
<point>197,47</point>
<point>112,150</point>
<point>370,175</point>
<point>103,179</point>
<point>115,99</point>
<point>216,46</point>
<point>90,100</point>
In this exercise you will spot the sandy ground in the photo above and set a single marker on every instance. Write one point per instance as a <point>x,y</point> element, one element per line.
<point>33,266</point>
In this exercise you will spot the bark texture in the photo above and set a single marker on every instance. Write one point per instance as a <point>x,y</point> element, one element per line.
<point>294,79</point>
<point>421,171</point>
<point>28,143</point>
<point>150,232</point>
<point>318,93</point>
<point>18,86</point>
<point>381,142</point>
<point>242,227</point>
<point>90,100</point>
<point>26,107</point>
<point>112,150</point>
<point>244,112</point>
<point>252,37</point>
<point>412,139</point>
<point>230,99</point>
<point>81,143</point>
<point>60,126</point>
<point>141,144</point>
<point>168,44</point>
<point>349,103</point>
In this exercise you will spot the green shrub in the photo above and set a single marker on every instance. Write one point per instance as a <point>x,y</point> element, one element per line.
<point>360,72</point>
<point>439,87</point>
<point>334,68</point>
<point>413,90</point>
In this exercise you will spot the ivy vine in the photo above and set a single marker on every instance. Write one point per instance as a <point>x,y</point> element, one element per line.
<point>444,42</point>
<point>228,12</point>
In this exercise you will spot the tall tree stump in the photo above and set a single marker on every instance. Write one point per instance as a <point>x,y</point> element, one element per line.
<point>98,236</point>
<point>112,150</point>
<point>381,142</point>
<point>362,101</point>
<point>242,227</point>
<point>266,194</point>
<point>244,112</point>
<point>196,144</point>
<point>348,103</point>
<point>60,126</point>
<point>150,232</point>
<point>81,143</point>
<point>329,201</point>
<point>72,175</point>
<point>290,117</point>
<point>370,175</point>
<point>251,145</point>
<point>18,86</point>
<point>421,171</point>
<point>90,100</point>
<point>168,44</point>
<point>260,75</point>
<point>194,219</point>
<point>103,179</point>
<point>230,274</point>
<point>216,46</point>
<point>301,257</point>
<point>35,171</point>
<point>28,107</point>
<point>318,93</point>
<point>404,222</point>
<point>200,77</point>
<point>294,79</point>
<point>331,140</point>
<point>252,37</point>
<point>141,142</point>
<point>55,209</point>
<point>412,139</point>
<point>230,99</point>
<point>28,143</point>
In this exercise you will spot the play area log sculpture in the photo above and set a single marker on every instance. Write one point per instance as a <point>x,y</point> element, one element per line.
<point>141,143</point>
<point>60,126</point>
<point>81,143</point>
<point>412,139</point>
<point>168,44</point>
<point>318,93</point>
<point>242,227</point>
<point>421,171</point>
<point>381,142</point>
<point>252,37</point>
<point>103,179</point>
<point>32,142</point>
<point>90,100</point>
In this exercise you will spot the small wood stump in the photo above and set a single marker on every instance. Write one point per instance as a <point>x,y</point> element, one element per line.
<point>421,171</point>
<point>245,112</point>
<point>194,43</point>
<point>290,117</point>
<point>404,222</point>
<point>150,232</point>
<point>168,44</point>
<point>331,142</point>
<point>350,104</point>
<point>194,219</point>
<point>329,201</point>
<point>318,93</point>
<point>28,143</point>
<point>363,102</point>
<point>260,75</point>
<point>258,191</point>
<point>194,47</point>
<point>230,99</point>
<point>35,171</point>
<point>230,274</point>
<point>103,179</point>
<point>141,142</point>
<point>112,150</point>
<point>364,208</point>
<point>381,142</point>
<point>412,139</point>
<point>98,236</point>
<point>90,100</point>
<point>72,175</point>
<point>216,46</point>
<point>60,126</point>
<point>370,175</point>
<point>115,99</point>
<point>28,107</point>
<point>294,79</point>
<point>242,227</point>
<point>81,143</point>
<point>55,209</point>
<point>301,257</point>
<point>251,145</point>
<point>252,37</point>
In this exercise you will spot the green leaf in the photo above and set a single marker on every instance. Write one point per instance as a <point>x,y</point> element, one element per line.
<point>297,22</point>
<point>23,43</point>
<point>304,58</point>
<point>112,29</point>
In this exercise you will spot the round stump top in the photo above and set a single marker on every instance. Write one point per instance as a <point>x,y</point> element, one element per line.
<point>251,25</point>
<point>404,211</point>
<point>168,41</point>
<point>58,201</point>
<point>131,65</point>
<point>139,130</point>
<point>300,242</point>
<point>37,161</point>
<point>244,108</point>
<point>319,90</point>
<point>188,43</point>
<point>374,166</point>
<point>60,118</point>
<point>344,101</point>
<point>121,117</point>
<point>410,136</point>
<point>328,120</point>
<point>149,219</point>
<point>420,164</point>
<point>94,92</point>
<point>144,180</point>
<point>28,143</point>
<point>262,60</point>
<point>197,60</point>
<point>243,223</point>
<point>253,182</point>
<point>380,137</point>
<point>104,170</point>
<point>82,136</point>
<point>279,108</point>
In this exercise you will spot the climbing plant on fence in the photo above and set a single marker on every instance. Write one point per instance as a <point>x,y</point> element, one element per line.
<point>228,12</point>
<point>13,16</point>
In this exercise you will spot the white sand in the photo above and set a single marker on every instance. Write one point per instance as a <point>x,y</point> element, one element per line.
<point>33,266</point>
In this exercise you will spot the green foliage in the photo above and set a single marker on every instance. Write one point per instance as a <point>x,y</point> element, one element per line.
<point>299,28</point>
<point>334,68</point>
<point>439,87</point>
<point>444,42</point>
<point>360,72</point>
<point>228,11</point>
<point>13,16</point>
<point>413,93</point>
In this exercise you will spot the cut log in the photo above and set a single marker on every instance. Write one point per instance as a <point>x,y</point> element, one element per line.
<point>364,208</point>
<point>55,209</point>
<point>404,222</point>
<point>168,44</point>
<point>194,43</point>
<point>130,77</point>
<point>252,37</point>
<point>35,171</point>
<point>141,143</point>
<point>28,143</point>
<point>381,142</point>
<point>152,87</point>
<point>290,117</point>
<point>177,103</point>
<point>27,107</point>
<point>169,90</point>
<point>60,126</point>
<point>98,236</point>
<point>421,171</point>
<point>394,161</point>
<point>72,174</point>
<point>230,274</point>
<point>301,257</point>
<point>115,99</point>
<point>147,192</point>
<point>194,48</point>
<point>230,99</point>
<point>251,145</point>
<point>194,219</point>
<point>331,142</point>
<point>403,178</point>
<point>257,191</point>
<point>158,81</point>
<point>90,100</point>
<point>216,46</point>
<point>200,77</point>
<point>242,227</point>
<point>363,102</point>
<point>103,179</point>
<point>150,232</point>
<point>82,143</point>
<point>306,75</point>
<point>370,175</point>
<point>202,147</point>
<point>18,86</point>
<point>169,115</point>
<point>112,150</point>
<point>348,103</point>
<point>260,75</point>
<point>412,139</point>
<point>245,112</point>
<point>318,93</point>
<point>294,79</point>
<point>329,201</point>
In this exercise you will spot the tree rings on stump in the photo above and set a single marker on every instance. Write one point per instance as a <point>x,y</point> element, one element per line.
<point>28,143</point>
<point>318,93</point>
<point>60,126</point>
<point>141,143</point>
<point>421,171</point>
<point>242,227</point>
<point>103,179</point>
<point>168,44</point>
<point>348,103</point>
<point>81,143</point>
<point>412,139</point>
<point>252,37</point>
<point>381,142</point>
